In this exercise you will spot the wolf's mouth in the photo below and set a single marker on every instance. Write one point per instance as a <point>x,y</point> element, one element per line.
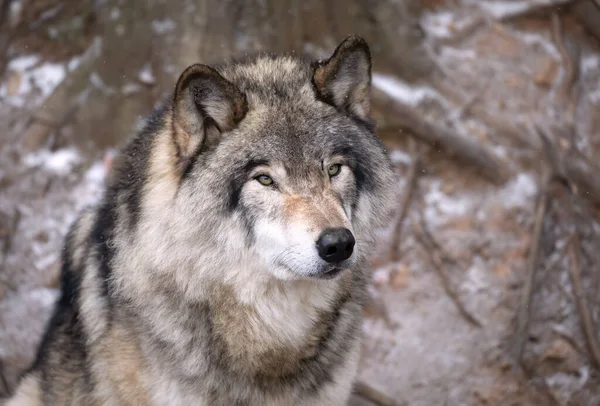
<point>330,274</point>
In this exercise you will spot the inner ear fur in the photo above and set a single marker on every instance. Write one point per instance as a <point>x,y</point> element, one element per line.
<point>205,105</point>
<point>344,80</point>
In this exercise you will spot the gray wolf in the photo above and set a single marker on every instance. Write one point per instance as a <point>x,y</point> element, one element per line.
<point>227,263</point>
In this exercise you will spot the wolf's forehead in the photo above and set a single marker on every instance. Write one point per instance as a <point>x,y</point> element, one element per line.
<point>270,79</point>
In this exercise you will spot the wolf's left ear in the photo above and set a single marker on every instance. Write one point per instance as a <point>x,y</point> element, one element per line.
<point>344,80</point>
<point>205,104</point>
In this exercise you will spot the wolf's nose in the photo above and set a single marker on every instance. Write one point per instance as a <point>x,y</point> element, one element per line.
<point>335,244</point>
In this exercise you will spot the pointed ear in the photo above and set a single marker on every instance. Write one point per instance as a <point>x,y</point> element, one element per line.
<point>205,104</point>
<point>344,80</point>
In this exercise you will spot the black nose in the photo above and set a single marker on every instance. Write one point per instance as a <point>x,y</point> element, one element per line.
<point>335,244</point>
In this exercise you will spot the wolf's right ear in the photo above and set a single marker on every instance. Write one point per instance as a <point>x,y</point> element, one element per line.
<point>205,104</point>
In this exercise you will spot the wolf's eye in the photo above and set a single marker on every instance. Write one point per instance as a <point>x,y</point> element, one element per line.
<point>264,180</point>
<point>334,169</point>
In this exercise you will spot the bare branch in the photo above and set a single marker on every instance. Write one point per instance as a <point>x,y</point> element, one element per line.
<point>574,252</point>
<point>5,388</point>
<point>524,313</point>
<point>367,392</point>
<point>435,254</point>
<point>536,8</point>
<point>467,150</point>
<point>569,63</point>
<point>411,181</point>
<point>588,14</point>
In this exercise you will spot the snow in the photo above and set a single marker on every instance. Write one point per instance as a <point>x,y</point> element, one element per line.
<point>74,63</point>
<point>99,84</point>
<point>48,76</point>
<point>400,157</point>
<point>60,162</point>
<point>163,26</point>
<point>115,13</point>
<point>445,24</point>
<point>440,205</point>
<point>44,77</point>
<point>476,278</point>
<point>96,174</point>
<point>130,88</point>
<point>504,9</point>
<point>457,53</point>
<point>438,25</point>
<point>15,9</point>
<point>46,297</point>
<point>403,92</point>
<point>594,96</point>
<point>145,75</point>
<point>23,62</point>
<point>539,40</point>
<point>519,192</point>
<point>590,63</point>
<point>51,13</point>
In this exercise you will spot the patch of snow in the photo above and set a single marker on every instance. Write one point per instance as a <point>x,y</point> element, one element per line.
<point>566,384</point>
<point>315,50</point>
<point>91,188</point>
<point>403,92</point>
<point>590,63</point>
<point>96,173</point>
<point>53,32</point>
<point>475,278</point>
<point>60,162</point>
<point>446,24</point>
<point>44,296</point>
<point>440,206</point>
<point>115,13</point>
<point>51,13</point>
<point>146,76</point>
<point>45,262</point>
<point>16,7</point>
<point>49,76</point>
<point>74,63</point>
<point>163,26</point>
<point>519,192</point>
<point>23,62</point>
<point>456,53</point>
<point>381,276</point>
<point>504,9</point>
<point>242,42</point>
<point>594,96</point>
<point>45,77</point>
<point>400,157</point>
<point>99,84</point>
<point>130,88</point>
<point>535,39</point>
<point>438,25</point>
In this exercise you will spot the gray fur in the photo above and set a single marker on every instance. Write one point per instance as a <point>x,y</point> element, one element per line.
<point>192,283</point>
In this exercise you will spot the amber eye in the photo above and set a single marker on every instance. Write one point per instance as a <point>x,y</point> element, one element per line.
<point>334,169</point>
<point>264,180</point>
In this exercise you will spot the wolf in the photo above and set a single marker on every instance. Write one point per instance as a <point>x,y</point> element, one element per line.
<point>227,263</point>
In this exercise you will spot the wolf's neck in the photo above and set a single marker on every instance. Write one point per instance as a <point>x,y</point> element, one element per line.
<point>272,332</point>
<point>267,334</point>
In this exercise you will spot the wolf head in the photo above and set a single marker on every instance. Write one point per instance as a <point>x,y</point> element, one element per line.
<point>269,163</point>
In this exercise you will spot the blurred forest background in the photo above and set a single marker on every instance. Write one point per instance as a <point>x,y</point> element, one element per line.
<point>486,288</point>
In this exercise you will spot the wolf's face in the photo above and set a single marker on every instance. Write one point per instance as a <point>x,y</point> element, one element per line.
<point>277,157</point>
<point>298,195</point>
